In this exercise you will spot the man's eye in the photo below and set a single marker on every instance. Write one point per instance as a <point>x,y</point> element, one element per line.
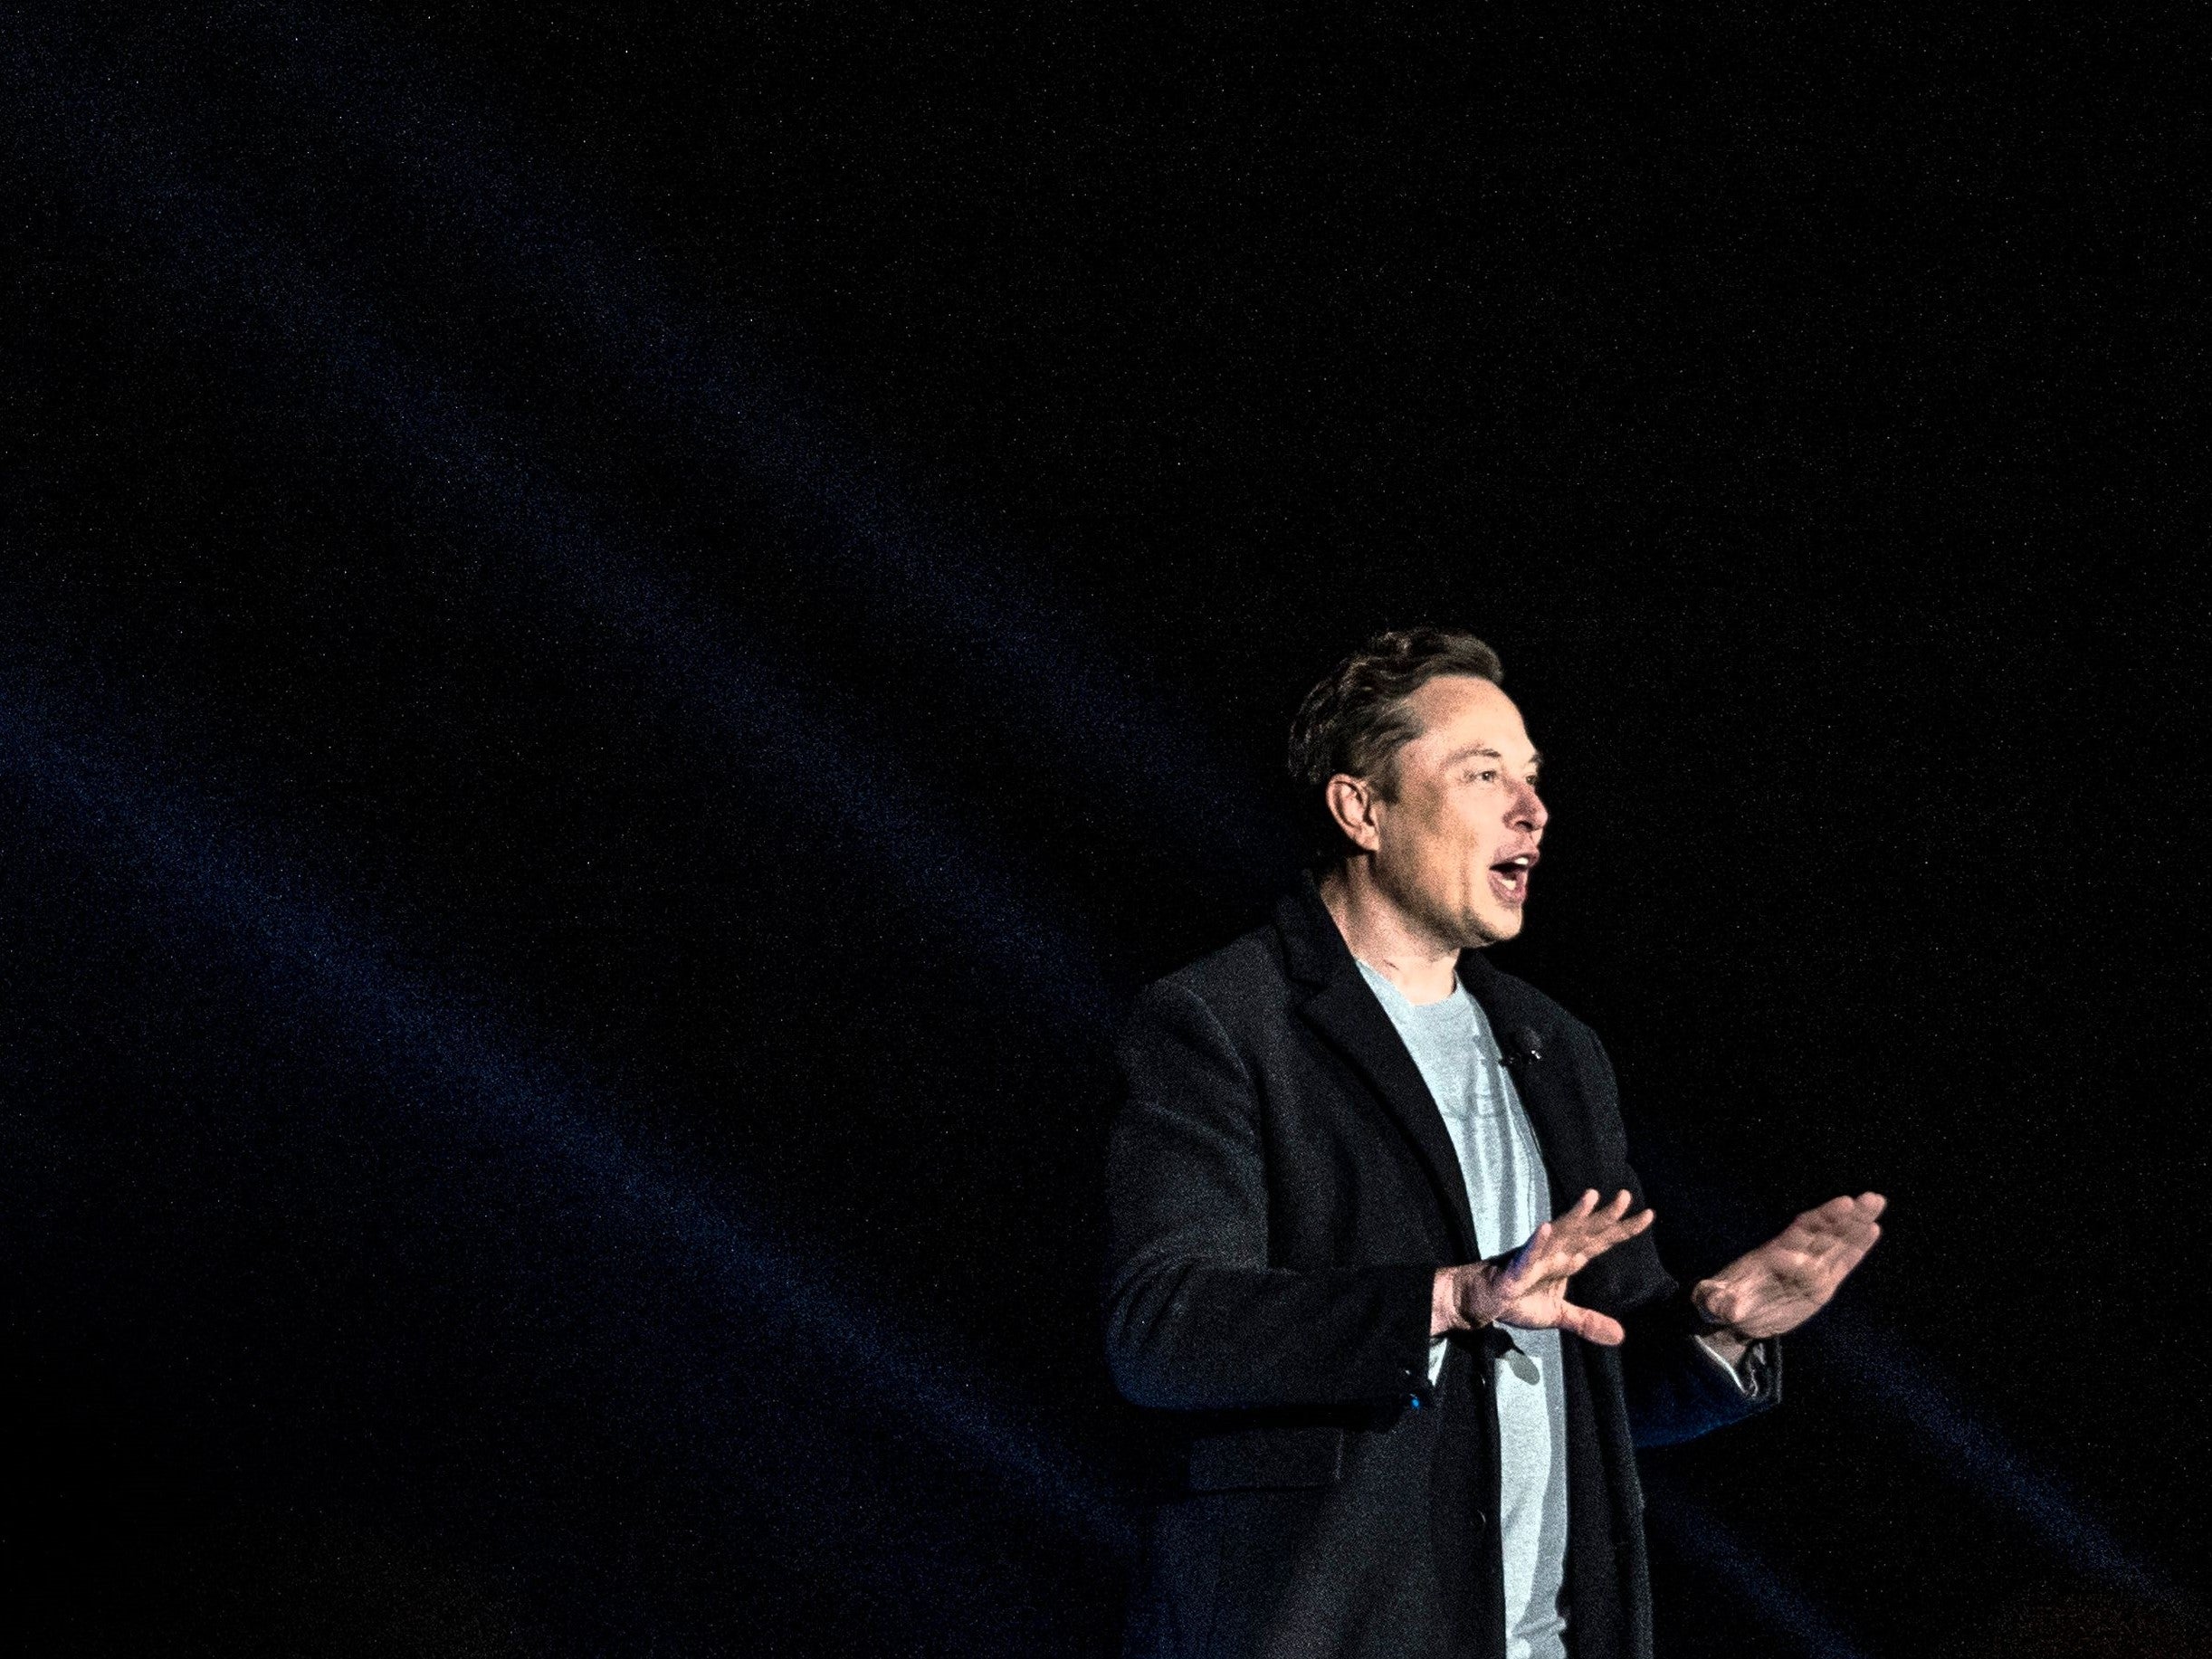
<point>1485,777</point>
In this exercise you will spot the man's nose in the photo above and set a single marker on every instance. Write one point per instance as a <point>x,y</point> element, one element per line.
<point>1528,811</point>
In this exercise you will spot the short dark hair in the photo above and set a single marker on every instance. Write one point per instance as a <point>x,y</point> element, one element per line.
<point>1355,720</point>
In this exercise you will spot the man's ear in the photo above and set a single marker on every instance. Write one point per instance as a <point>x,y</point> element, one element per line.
<point>1352,803</point>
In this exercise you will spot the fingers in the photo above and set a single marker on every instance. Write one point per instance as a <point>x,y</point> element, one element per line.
<point>1827,1241</point>
<point>1584,1210</point>
<point>1561,1248</point>
<point>1845,1215</point>
<point>1587,1205</point>
<point>1591,1231</point>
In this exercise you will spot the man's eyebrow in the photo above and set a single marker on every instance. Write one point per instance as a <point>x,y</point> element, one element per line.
<point>1483,749</point>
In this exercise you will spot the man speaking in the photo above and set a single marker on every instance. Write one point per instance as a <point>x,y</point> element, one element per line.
<point>1375,1247</point>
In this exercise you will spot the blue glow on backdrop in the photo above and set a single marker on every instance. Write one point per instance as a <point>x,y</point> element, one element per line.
<point>444,1060</point>
<point>1702,1537</point>
<point>756,714</point>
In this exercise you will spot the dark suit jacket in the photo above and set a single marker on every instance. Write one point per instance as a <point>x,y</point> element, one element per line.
<point>1281,1192</point>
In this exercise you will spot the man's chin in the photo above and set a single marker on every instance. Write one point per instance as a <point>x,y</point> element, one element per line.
<point>1494,925</point>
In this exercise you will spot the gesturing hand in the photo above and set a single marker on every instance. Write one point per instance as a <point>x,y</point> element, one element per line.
<point>1790,1277</point>
<point>1528,1288</point>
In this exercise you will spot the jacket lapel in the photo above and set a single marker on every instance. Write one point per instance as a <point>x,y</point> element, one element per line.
<point>1346,1014</point>
<point>1545,1085</point>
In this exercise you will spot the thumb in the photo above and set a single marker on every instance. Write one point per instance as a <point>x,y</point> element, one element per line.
<point>1591,1326</point>
<point>1720,1302</point>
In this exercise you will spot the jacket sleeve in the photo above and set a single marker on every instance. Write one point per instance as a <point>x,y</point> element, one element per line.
<point>1197,1318</point>
<point>1677,1392</point>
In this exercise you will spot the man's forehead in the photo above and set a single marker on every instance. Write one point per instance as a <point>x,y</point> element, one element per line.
<point>1457,710</point>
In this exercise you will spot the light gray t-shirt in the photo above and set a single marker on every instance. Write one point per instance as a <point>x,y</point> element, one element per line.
<point>1510,1196</point>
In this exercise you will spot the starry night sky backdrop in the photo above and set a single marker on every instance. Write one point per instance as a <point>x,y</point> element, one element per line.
<point>623,636</point>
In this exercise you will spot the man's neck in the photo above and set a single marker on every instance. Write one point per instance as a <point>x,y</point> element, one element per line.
<point>1383,936</point>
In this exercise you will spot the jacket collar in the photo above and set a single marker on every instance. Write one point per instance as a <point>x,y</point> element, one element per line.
<point>1339,1005</point>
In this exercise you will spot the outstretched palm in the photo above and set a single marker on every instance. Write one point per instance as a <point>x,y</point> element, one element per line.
<point>1528,1289</point>
<point>1786,1280</point>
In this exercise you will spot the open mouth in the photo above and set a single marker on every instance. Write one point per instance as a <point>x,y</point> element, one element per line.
<point>1509,878</point>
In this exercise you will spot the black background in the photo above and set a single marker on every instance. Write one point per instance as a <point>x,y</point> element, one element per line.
<point>625,633</point>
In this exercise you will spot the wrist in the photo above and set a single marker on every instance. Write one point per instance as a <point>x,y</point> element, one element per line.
<point>1444,1304</point>
<point>1456,1304</point>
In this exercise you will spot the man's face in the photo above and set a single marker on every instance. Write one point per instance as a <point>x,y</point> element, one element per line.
<point>1458,844</point>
